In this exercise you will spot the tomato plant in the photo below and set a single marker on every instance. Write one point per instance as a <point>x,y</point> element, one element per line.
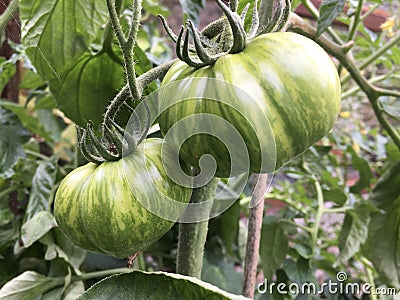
<point>331,214</point>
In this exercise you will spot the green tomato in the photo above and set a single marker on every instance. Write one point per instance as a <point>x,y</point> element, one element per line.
<point>291,82</point>
<point>101,207</point>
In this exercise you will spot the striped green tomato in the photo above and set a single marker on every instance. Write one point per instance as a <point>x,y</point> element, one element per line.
<point>292,82</point>
<point>100,207</point>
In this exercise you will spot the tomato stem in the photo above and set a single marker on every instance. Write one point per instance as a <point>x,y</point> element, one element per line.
<point>192,236</point>
<point>238,32</point>
<point>254,235</point>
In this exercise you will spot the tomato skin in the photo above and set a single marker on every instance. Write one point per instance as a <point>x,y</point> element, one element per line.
<point>293,83</point>
<point>99,207</point>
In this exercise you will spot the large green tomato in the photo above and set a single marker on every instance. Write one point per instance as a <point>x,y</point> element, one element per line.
<point>100,207</point>
<point>291,82</point>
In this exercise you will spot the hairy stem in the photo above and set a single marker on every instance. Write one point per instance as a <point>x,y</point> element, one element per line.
<point>192,236</point>
<point>127,44</point>
<point>8,14</point>
<point>254,235</point>
<point>142,81</point>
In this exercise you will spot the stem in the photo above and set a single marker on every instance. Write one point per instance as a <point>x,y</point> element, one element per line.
<point>192,236</point>
<point>376,55</point>
<point>8,14</point>
<point>393,41</point>
<point>292,223</point>
<point>356,20</point>
<point>318,216</point>
<point>104,273</point>
<point>354,90</point>
<point>337,210</point>
<point>370,277</point>
<point>372,9</point>
<point>142,81</point>
<point>127,45</point>
<point>254,235</point>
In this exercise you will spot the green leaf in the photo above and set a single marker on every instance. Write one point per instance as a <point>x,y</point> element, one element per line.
<point>12,136</point>
<point>84,90</point>
<point>57,32</point>
<point>74,290</point>
<point>336,195</point>
<point>383,244</point>
<point>46,102</point>
<point>191,10</point>
<point>328,12</point>
<point>298,271</point>
<point>354,231</point>
<point>248,20</point>
<point>391,106</point>
<point>7,71</point>
<point>31,81</point>
<point>36,227</point>
<point>155,8</point>
<point>385,194</point>
<point>30,122</point>
<point>24,171</point>
<point>273,246</point>
<point>60,246</point>
<point>392,151</point>
<point>157,285</point>
<point>364,171</point>
<point>382,247</point>
<point>42,185</point>
<point>28,286</point>
<point>223,275</point>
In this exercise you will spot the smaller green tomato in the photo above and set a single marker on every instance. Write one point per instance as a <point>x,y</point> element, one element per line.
<point>100,207</point>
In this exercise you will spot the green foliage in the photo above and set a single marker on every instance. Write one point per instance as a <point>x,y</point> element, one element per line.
<point>329,11</point>
<point>7,71</point>
<point>159,285</point>
<point>191,10</point>
<point>12,136</point>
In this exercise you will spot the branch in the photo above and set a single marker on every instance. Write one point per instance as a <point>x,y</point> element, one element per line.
<point>142,81</point>
<point>298,25</point>
<point>254,235</point>
<point>127,44</point>
<point>376,54</point>
<point>192,236</point>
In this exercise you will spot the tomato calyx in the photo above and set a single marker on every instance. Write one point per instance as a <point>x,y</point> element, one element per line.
<point>114,141</point>
<point>228,35</point>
